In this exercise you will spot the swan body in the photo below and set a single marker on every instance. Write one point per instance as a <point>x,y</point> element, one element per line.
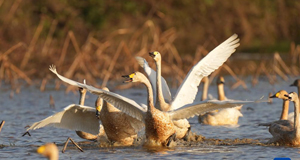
<point>228,116</point>
<point>119,127</point>
<point>287,134</point>
<point>158,124</point>
<point>215,118</point>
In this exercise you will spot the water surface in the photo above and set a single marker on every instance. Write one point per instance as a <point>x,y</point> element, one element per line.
<point>31,105</point>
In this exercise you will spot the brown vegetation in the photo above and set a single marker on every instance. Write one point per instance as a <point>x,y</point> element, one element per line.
<point>101,45</point>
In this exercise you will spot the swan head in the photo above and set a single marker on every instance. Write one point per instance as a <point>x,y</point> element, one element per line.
<point>293,96</point>
<point>98,106</point>
<point>281,95</point>
<point>134,77</point>
<point>155,55</point>
<point>48,150</point>
<point>221,80</point>
<point>296,83</point>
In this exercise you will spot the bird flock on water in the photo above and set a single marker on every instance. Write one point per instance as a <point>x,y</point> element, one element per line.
<point>164,119</point>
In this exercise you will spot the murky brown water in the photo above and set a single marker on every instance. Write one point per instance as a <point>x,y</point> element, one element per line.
<point>231,142</point>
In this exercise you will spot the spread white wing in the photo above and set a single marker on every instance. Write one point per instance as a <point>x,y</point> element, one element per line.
<point>126,105</point>
<point>201,107</point>
<point>73,117</point>
<point>187,91</point>
<point>152,77</point>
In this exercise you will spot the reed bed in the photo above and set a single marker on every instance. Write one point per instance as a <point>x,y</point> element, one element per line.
<point>109,58</point>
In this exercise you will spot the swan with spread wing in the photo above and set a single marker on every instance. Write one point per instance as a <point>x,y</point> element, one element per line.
<point>187,91</point>
<point>116,126</point>
<point>159,124</point>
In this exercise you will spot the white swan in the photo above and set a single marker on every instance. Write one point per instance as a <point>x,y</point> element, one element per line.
<point>228,116</point>
<point>158,124</point>
<point>287,134</point>
<point>84,117</point>
<point>188,89</point>
<point>152,77</point>
<point>117,126</point>
<point>182,127</point>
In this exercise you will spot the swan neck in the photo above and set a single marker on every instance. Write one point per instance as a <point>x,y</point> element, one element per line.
<point>53,155</point>
<point>296,118</point>
<point>285,110</point>
<point>160,101</point>
<point>221,92</point>
<point>82,93</point>
<point>150,95</point>
<point>205,90</point>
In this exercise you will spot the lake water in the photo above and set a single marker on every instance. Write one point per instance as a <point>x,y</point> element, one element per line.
<point>31,105</point>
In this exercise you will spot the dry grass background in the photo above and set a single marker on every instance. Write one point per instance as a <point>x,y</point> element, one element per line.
<point>99,39</point>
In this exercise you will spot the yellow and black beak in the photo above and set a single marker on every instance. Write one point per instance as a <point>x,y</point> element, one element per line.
<point>98,110</point>
<point>222,80</point>
<point>275,95</point>
<point>288,96</point>
<point>41,149</point>
<point>152,54</point>
<point>129,78</point>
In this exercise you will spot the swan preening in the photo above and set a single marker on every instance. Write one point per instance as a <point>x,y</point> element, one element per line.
<point>228,116</point>
<point>158,123</point>
<point>286,132</point>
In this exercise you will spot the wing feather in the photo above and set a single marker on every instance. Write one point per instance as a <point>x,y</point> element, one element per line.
<point>202,107</point>
<point>188,89</point>
<point>152,77</point>
<point>126,105</point>
<point>73,117</point>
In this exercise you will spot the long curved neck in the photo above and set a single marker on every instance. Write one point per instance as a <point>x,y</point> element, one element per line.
<point>160,101</point>
<point>296,118</point>
<point>82,93</point>
<point>205,89</point>
<point>285,110</point>
<point>54,155</point>
<point>150,94</point>
<point>221,92</point>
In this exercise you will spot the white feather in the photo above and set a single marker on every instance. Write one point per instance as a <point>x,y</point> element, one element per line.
<point>126,105</point>
<point>73,117</point>
<point>202,107</point>
<point>189,87</point>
